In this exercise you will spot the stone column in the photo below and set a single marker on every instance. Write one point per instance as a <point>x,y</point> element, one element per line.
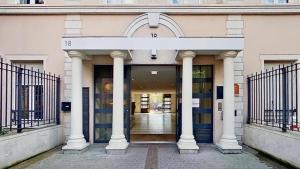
<point>76,140</point>
<point>118,143</point>
<point>228,142</point>
<point>187,143</point>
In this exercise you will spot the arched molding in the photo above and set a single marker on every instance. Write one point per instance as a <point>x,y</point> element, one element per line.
<point>163,20</point>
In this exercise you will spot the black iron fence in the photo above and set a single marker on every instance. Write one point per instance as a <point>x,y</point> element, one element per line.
<point>29,98</point>
<point>273,98</point>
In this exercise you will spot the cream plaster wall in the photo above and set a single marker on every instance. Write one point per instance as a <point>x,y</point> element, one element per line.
<point>34,36</point>
<point>105,25</point>
<point>191,25</point>
<point>201,25</point>
<point>269,35</point>
<point>265,34</point>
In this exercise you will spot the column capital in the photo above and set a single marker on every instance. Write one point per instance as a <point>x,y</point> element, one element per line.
<point>185,54</point>
<point>229,54</point>
<point>118,54</point>
<point>74,53</point>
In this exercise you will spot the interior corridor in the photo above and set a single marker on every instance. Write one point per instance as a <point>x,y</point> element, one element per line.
<point>153,103</point>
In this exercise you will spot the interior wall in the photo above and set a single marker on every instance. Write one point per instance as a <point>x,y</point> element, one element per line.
<point>135,95</point>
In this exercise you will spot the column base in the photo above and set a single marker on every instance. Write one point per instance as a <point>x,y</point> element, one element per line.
<point>117,146</point>
<point>75,146</point>
<point>229,146</point>
<point>187,146</point>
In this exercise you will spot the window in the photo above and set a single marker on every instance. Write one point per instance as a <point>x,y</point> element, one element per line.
<point>31,1</point>
<point>32,101</point>
<point>276,1</point>
<point>176,2</point>
<point>32,89</point>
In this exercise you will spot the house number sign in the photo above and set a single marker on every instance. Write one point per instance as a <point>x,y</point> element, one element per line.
<point>68,43</point>
<point>154,35</point>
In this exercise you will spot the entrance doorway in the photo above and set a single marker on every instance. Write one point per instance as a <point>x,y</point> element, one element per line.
<point>153,103</point>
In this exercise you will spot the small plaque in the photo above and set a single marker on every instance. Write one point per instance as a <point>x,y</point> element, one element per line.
<point>236,89</point>
<point>196,102</point>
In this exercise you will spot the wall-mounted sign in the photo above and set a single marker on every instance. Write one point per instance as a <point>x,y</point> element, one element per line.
<point>236,89</point>
<point>196,102</point>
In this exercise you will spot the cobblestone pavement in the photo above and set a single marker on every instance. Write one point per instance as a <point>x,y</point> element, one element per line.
<point>152,156</point>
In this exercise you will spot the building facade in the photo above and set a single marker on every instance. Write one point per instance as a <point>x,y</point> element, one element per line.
<point>94,45</point>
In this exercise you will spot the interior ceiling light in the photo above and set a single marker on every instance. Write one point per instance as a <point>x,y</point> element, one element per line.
<point>154,72</point>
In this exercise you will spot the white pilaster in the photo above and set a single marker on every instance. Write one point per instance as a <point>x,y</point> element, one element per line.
<point>235,26</point>
<point>76,140</point>
<point>72,28</point>
<point>187,143</point>
<point>118,141</point>
<point>228,142</point>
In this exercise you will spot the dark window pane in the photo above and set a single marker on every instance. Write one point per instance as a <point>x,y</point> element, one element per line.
<point>25,102</point>
<point>38,102</point>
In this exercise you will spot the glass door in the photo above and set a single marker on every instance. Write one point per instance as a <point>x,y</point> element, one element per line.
<point>103,100</point>
<point>202,103</point>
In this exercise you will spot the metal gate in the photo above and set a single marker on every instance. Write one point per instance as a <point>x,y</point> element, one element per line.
<point>273,97</point>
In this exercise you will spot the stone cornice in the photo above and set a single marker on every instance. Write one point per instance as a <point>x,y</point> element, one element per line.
<point>138,9</point>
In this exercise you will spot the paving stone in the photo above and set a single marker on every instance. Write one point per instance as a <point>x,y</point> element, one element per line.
<point>162,156</point>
